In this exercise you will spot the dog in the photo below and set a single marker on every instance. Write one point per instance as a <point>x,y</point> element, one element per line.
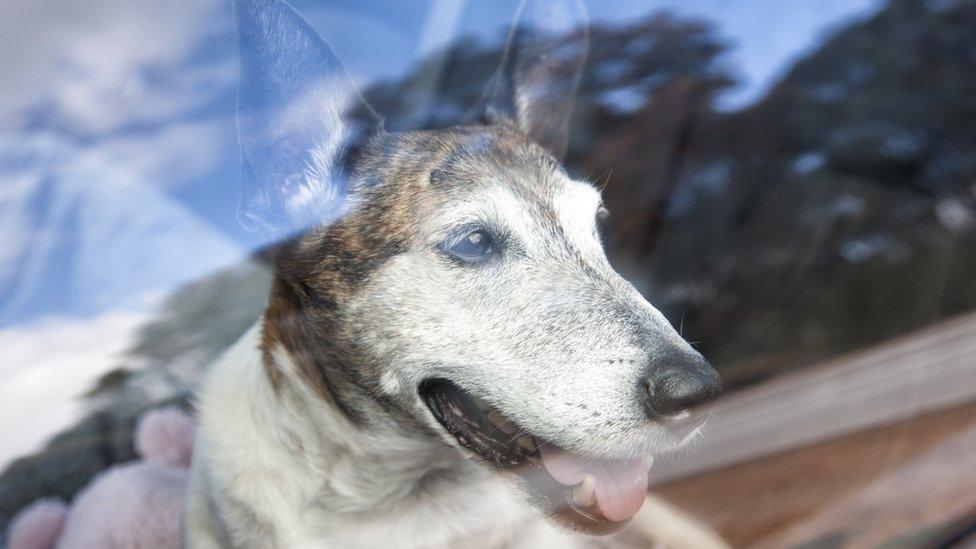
<point>447,357</point>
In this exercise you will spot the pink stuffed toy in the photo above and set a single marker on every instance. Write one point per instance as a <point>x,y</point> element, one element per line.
<point>133,505</point>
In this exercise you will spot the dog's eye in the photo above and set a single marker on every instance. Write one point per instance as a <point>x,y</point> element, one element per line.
<point>602,214</point>
<point>472,247</point>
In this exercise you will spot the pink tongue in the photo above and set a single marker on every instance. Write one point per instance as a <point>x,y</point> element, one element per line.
<point>621,485</point>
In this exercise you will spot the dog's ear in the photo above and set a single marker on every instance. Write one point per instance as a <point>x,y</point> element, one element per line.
<point>299,119</point>
<point>536,83</point>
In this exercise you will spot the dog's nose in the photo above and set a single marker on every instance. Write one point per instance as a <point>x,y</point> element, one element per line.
<point>680,381</point>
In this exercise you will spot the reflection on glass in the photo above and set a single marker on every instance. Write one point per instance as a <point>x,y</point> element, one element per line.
<point>793,186</point>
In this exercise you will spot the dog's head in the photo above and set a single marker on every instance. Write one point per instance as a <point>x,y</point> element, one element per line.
<point>454,280</point>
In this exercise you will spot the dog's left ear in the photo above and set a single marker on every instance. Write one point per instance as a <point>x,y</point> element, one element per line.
<point>540,71</point>
<point>300,120</point>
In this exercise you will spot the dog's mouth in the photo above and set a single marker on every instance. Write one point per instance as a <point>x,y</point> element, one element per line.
<point>591,495</point>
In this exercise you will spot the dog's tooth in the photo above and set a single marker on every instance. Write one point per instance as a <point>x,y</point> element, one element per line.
<point>584,493</point>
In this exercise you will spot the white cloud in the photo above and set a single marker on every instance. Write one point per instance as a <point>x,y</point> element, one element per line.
<point>92,232</point>
<point>87,61</point>
<point>174,152</point>
<point>15,227</point>
<point>42,382</point>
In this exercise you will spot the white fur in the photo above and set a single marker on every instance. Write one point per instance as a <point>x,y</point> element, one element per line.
<point>344,489</point>
<point>576,204</point>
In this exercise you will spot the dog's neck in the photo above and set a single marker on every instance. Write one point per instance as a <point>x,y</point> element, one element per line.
<point>282,466</point>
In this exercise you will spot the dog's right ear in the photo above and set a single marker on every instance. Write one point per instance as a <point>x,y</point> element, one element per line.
<point>540,70</point>
<point>299,121</point>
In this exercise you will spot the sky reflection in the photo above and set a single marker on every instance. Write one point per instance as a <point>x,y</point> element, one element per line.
<point>146,90</point>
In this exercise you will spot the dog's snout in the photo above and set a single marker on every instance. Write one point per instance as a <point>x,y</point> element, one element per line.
<point>680,382</point>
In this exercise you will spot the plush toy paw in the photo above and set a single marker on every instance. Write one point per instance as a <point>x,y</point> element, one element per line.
<point>38,526</point>
<point>165,436</point>
<point>137,504</point>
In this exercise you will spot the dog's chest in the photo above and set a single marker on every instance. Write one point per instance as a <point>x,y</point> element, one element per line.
<point>480,514</point>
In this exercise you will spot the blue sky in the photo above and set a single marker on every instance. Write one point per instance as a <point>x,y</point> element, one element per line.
<point>766,34</point>
<point>98,68</point>
<point>147,87</point>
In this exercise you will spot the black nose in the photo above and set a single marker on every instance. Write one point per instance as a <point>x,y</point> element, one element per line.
<point>680,381</point>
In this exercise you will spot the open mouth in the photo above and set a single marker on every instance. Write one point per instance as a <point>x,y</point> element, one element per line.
<point>591,495</point>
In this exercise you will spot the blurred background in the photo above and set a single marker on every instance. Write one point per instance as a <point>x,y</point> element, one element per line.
<point>792,183</point>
